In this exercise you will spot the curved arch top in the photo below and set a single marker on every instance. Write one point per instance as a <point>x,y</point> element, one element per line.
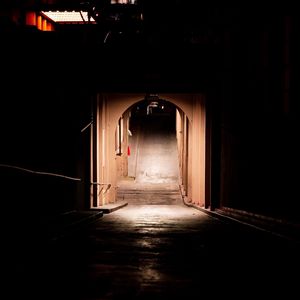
<point>119,102</point>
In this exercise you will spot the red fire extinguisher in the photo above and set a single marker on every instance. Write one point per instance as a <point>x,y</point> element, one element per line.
<point>128,151</point>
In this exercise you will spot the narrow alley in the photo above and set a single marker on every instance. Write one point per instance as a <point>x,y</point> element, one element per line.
<point>149,150</point>
<point>156,247</point>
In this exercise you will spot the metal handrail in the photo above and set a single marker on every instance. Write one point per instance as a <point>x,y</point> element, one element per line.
<point>108,186</point>
<point>39,172</point>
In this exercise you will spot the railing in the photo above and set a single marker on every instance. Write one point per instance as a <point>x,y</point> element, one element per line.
<point>39,173</point>
<point>99,189</point>
<point>102,188</point>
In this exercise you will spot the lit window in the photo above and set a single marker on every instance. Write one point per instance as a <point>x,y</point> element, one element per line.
<point>68,16</point>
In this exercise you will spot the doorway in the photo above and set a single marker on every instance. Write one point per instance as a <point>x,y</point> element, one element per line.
<point>151,140</point>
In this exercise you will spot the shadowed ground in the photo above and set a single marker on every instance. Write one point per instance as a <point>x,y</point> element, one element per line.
<point>156,252</point>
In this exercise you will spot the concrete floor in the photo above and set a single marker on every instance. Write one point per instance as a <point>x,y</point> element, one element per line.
<point>155,252</point>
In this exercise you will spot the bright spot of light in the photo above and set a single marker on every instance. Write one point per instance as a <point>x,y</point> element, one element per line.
<point>68,16</point>
<point>158,215</point>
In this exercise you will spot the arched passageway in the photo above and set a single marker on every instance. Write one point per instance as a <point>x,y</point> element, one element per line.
<point>148,139</point>
<point>152,175</point>
<point>152,150</point>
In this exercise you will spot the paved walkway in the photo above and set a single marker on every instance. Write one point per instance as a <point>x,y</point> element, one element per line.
<point>155,252</point>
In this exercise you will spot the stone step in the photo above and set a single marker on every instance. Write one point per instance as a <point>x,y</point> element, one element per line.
<point>148,197</point>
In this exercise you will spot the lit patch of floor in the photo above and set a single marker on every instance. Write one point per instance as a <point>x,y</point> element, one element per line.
<point>157,214</point>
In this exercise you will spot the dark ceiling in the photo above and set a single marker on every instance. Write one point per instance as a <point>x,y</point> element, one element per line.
<point>176,40</point>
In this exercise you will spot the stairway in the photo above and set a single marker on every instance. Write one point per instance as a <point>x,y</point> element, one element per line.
<point>149,194</point>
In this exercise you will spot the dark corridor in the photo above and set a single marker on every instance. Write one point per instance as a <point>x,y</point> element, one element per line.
<point>243,58</point>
